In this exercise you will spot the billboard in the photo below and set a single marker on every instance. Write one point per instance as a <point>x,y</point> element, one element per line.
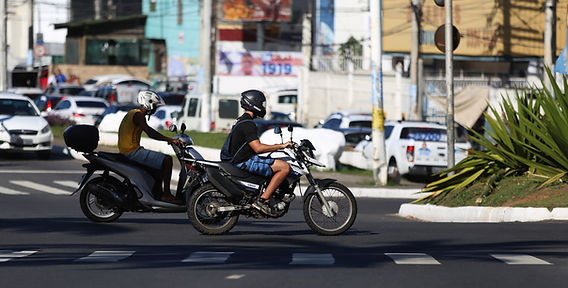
<point>256,10</point>
<point>513,28</point>
<point>258,63</point>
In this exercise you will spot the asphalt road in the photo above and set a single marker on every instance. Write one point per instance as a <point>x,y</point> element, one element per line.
<point>45,241</point>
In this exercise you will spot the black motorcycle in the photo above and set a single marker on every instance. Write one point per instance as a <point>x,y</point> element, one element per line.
<point>219,192</point>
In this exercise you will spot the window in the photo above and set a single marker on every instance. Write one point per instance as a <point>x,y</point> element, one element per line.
<point>17,107</point>
<point>160,114</point>
<point>360,124</point>
<point>192,109</point>
<point>287,99</point>
<point>424,134</point>
<point>91,104</point>
<point>63,105</point>
<point>117,52</point>
<point>332,124</point>
<point>228,108</point>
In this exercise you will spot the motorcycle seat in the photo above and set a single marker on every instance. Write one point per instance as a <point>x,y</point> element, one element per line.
<point>233,170</point>
<point>117,157</point>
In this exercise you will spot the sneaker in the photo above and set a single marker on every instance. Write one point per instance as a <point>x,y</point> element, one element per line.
<point>264,207</point>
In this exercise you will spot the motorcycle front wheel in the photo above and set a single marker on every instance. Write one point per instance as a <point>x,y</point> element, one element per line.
<point>203,211</point>
<point>343,210</point>
<point>96,208</point>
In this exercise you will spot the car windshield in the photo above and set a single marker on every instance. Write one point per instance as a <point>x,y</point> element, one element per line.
<point>14,107</point>
<point>91,104</point>
<point>424,134</point>
<point>360,124</point>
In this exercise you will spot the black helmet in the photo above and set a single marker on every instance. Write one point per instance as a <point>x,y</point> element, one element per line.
<point>255,101</point>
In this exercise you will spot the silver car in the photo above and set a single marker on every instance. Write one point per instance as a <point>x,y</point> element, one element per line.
<point>21,126</point>
<point>79,109</point>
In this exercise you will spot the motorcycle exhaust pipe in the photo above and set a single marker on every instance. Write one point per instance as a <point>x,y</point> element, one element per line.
<point>106,194</point>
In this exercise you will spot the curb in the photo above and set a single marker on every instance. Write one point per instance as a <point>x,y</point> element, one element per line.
<point>433,213</point>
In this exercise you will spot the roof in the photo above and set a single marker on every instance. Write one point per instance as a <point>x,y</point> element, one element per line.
<point>9,95</point>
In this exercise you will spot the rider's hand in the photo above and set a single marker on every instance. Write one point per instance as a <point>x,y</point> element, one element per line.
<point>287,145</point>
<point>178,142</point>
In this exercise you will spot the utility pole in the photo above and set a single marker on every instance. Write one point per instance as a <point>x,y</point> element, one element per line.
<point>378,134</point>
<point>416,7</point>
<point>549,39</point>
<point>450,83</point>
<point>3,45</point>
<point>205,63</point>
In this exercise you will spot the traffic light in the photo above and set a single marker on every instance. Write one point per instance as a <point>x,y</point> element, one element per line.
<point>440,38</point>
<point>439,2</point>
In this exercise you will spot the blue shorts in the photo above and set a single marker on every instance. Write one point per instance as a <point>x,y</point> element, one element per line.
<point>258,165</point>
<point>147,158</point>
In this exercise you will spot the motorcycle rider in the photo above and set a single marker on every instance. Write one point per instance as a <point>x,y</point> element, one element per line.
<point>129,134</point>
<point>243,146</point>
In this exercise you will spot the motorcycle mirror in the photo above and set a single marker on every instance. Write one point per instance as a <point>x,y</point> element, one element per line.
<point>173,128</point>
<point>182,127</point>
<point>290,128</point>
<point>277,130</point>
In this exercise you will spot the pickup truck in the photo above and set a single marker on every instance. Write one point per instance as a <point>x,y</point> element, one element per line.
<point>417,148</point>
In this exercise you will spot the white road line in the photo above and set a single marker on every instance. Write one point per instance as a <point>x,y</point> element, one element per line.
<point>70,184</point>
<point>412,258</point>
<point>519,259</point>
<point>41,187</point>
<point>8,191</point>
<point>106,256</point>
<point>312,259</point>
<point>7,255</point>
<point>42,171</point>
<point>208,257</point>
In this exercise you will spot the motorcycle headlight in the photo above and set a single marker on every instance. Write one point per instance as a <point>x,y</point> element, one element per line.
<point>45,129</point>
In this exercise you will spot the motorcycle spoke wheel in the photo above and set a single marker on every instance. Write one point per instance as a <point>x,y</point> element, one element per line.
<point>340,216</point>
<point>204,215</point>
<point>95,208</point>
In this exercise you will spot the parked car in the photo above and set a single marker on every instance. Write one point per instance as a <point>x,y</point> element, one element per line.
<point>354,136</point>
<point>115,108</point>
<point>46,103</point>
<point>31,92</point>
<point>80,109</point>
<point>64,89</point>
<point>418,148</point>
<point>264,125</point>
<point>172,98</point>
<point>348,119</point>
<point>21,126</point>
<point>122,90</point>
<point>164,117</point>
<point>92,83</point>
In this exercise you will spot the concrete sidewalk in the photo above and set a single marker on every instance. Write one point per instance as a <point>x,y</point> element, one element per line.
<point>430,213</point>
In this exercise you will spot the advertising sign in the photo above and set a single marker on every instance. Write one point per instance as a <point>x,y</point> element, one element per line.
<point>258,63</point>
<point>257,10</point>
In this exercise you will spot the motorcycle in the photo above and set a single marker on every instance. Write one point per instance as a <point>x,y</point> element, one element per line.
<point>123,185</point>
<point>223,192</point>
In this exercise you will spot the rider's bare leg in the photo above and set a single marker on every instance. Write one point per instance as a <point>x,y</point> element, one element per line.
<point>281,170</point>
<point>166,178</point>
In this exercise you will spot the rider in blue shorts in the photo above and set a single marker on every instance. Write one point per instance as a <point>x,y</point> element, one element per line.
<point>242,148</point>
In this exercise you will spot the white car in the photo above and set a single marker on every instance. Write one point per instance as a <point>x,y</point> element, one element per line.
<point>417,148</point>
<point>164,117</point>
<point>80,109</point>
<point>21,126</point>
<point>348,119</point>
<point>94,82</point>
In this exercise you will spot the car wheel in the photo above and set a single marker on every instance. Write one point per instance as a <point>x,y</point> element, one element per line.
<point>393,172</point>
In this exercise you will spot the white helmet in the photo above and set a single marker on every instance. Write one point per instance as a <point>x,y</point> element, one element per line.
<point>150,100</point>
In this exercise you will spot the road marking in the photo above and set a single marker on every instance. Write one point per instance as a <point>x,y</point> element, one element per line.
<point>412,258</point>
<point>106,256</point>
<point>8,191</point>
<point>70,184</point>
<point>41,187</point>
<point>208,257</point>
<point>7,255</point>
<point>43,171</point>
<point>312,259</point>
<point>520,259</point>
<point>235,276</point>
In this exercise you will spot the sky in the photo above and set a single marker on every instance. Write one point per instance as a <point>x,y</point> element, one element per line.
<point>47,13</point>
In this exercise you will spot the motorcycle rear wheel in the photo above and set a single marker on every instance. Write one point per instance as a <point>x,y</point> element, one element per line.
<point>98,209</point>
<point>339,219</point>
<point>203,215</point>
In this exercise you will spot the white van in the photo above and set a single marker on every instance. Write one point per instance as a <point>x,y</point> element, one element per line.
<point>284,101</point>
<point>224,111</point>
